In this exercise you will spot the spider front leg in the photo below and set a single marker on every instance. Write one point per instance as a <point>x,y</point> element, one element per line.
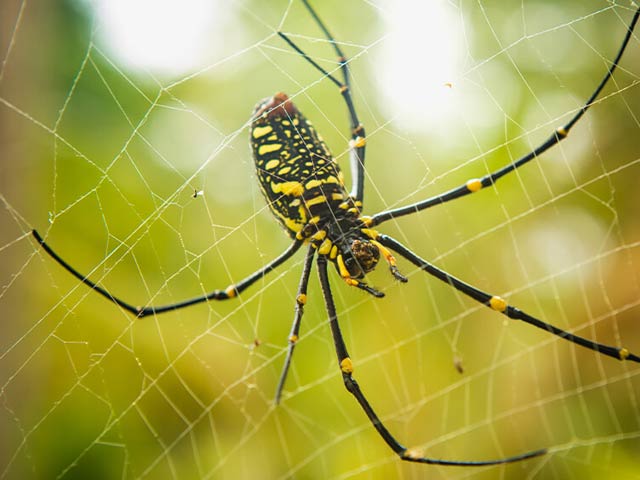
<point>500,305</point>
<point>346,367</point>
<point>476,184</point>
<point>301,300</point>
<point>231,291</point>
<point>358,135</point>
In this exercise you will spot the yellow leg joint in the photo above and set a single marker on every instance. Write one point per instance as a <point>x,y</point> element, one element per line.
<point>301,299</point>
<point>369,232</point>
<point>293,339</point>
<point>562,132</point>
<point>319,235</point>
<point>346,365</point>
<point>358,142</point>
<point>474,185</point>
<point>413,453</point>
<point>498,303</point>
<point>623,354</point>
<point>367,221</point>
<point>325,247</point>
<point>231,291</point>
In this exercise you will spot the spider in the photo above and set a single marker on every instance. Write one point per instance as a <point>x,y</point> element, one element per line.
<point>305,190</point>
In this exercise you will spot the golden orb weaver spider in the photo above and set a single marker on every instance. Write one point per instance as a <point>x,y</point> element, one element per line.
<point>305,191</point>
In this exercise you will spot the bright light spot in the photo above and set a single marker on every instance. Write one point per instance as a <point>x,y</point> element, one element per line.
<point>560,244</point>
<point>420,63</point>
<point>164,36</point>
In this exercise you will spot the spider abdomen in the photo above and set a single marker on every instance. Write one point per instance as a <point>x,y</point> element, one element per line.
<point>297,173</point>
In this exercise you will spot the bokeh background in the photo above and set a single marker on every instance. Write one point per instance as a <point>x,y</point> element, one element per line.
<point>124,140</point>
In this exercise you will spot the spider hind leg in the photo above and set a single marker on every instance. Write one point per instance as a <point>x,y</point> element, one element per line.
<point>500,305</point>
<point>346,368</point>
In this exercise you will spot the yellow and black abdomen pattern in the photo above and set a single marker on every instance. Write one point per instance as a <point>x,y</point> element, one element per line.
<point>297,173</point>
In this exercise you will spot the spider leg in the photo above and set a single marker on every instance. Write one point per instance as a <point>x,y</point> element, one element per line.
<point>346,367</point>
<point>301,299</point>
<point>476,184</point>
<point>358,136</point>
<point>342,59</point>
<point>230,292</point>
<point>500,305</point>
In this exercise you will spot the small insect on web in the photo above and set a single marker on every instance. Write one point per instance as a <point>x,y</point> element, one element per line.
<point>305,190</point>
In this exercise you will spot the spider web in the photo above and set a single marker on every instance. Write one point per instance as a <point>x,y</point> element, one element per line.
<point>140,176</point>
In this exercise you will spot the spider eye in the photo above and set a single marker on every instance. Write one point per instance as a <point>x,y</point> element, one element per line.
<point>363,259</point>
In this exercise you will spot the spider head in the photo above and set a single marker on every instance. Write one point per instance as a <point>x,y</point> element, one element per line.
<point>362,258</point>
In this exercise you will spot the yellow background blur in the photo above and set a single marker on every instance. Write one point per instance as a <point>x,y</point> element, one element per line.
<point>104,157</point>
